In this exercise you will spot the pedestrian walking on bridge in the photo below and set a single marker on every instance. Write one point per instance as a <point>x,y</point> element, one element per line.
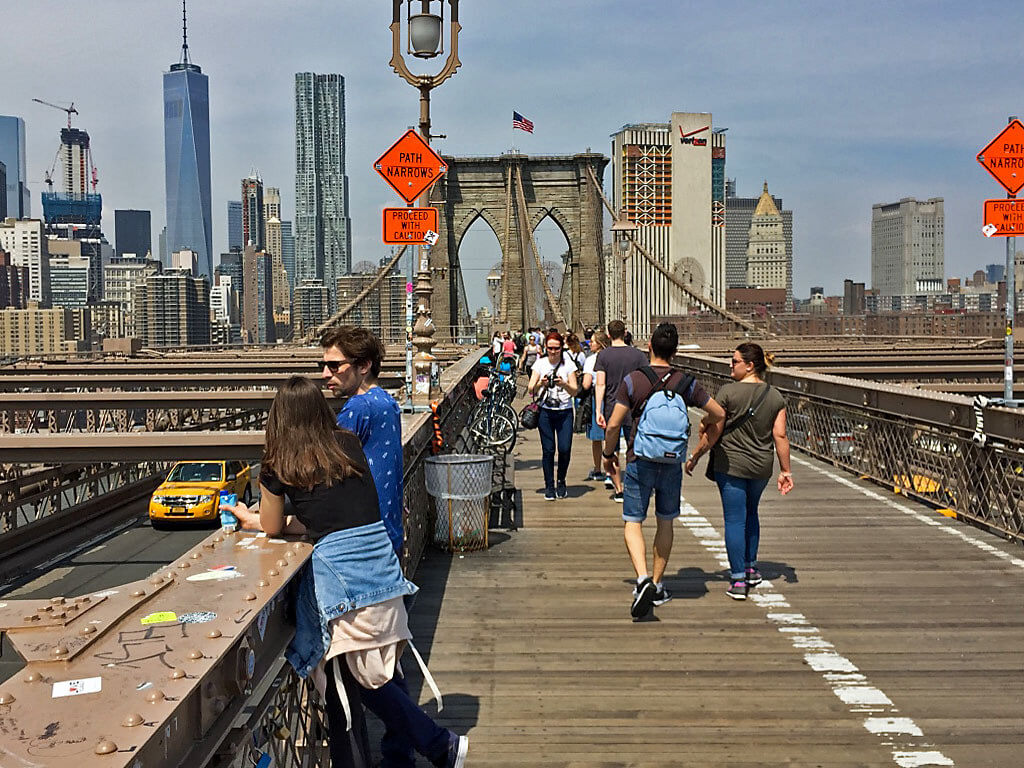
<point>742,460</point>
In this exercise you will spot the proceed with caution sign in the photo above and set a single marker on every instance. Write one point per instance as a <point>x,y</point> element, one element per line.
<point>1004,218</point>
<point>409,226</point>
<point>410,166</point>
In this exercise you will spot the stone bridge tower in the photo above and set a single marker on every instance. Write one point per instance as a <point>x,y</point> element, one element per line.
<point>489,188</point>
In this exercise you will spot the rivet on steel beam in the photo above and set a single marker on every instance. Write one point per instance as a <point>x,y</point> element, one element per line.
<point>218,539</point>
<point>289,553</point>
<point>297,545</point>
<point>83,600</point>
<point>154,696</point>
<point>156,579</point>
<point>249,596</point>
<point>213,634</point>
<point>32,617</point>
<point>88,629</point>
<point>138,593</point>
<point>59,650</point>
<point>32,677</point>
<point>177,674</point>
<point>195,654</point>
<point>184,564</point>
<point>57,600</point>
<point>44,609</point>
<point>6,698</point>
<point>105,747</point>
<point>952,416</point>
<point>196,555</point>
<point>273,572</point>
<point>130,721</point>
<point>263,583</point>
<point>282,563</point>
<point>208,544</point>
<point>72,607</point>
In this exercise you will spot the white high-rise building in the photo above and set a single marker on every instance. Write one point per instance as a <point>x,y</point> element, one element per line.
<point>908,247</point>
<point>669,180</point>
<point>323,231</point>
<point>28,246</point>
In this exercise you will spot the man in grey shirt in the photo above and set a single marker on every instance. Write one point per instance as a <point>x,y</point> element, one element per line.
<point>614,364</point>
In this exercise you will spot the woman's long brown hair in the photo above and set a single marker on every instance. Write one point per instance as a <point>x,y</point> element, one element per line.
<point>301,446</point>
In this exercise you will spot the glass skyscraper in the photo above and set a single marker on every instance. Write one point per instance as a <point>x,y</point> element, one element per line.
<point>235,242</point>
<point>12,154</point>
<point>187,161</point>
<point>323,232</point>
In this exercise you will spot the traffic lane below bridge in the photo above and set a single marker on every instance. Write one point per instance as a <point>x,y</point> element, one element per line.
<point>129,555</point>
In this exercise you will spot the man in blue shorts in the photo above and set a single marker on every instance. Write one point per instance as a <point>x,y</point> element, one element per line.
<point>642,476</point>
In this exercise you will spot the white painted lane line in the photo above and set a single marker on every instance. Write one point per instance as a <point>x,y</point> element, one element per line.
<point>952,529</point>
<point>877,712</point>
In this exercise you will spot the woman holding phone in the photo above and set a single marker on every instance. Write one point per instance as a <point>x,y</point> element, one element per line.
<point>553,382</point>
<point>351,592</point>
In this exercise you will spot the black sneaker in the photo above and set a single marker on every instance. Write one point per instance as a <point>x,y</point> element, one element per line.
<point>643,598</point>
<point>549,494</point>
<point>595,474</point>
<point>618,496</point>
<point>753,577</point>
<point>661,595</point>
<point>561,492</point>
<point>737,590</point>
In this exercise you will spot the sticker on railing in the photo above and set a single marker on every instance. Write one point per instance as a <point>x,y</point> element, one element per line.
<point>77,687</point>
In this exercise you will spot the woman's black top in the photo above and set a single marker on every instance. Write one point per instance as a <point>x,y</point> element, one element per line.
<point>348,503</point>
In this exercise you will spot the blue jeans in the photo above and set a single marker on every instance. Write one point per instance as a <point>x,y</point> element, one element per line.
<point>643,477</point>
<point>399,713</point>
<point>555,426</point>
<point>740,497</point>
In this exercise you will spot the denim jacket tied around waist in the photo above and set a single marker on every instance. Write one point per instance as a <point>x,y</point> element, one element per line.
<point>348,570</point>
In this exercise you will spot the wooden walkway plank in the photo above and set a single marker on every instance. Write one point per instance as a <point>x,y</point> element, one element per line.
<point>532,642</point>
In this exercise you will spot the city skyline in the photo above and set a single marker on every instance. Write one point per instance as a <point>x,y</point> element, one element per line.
<point>833,130</point>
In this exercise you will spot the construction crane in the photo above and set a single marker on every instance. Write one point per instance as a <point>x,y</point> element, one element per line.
<point>70,110</point>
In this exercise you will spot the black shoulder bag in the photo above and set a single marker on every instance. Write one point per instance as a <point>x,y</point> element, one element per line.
<point>739,421</point>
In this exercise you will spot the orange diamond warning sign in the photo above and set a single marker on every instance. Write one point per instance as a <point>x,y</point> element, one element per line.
<point>1004,157</point>
<point>1004,218</point>
<point>410,166</point>
<point>409,226</point>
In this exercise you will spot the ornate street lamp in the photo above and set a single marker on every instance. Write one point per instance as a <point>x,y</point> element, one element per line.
<point>622,232</point>
<point>425,41</point>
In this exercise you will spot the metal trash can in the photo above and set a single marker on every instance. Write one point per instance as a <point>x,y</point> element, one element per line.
<point>461,486</point>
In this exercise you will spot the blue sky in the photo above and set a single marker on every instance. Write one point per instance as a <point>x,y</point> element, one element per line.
<point>837,106</point>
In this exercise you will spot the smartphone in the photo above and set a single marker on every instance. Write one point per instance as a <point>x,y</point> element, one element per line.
<point>228,519</point>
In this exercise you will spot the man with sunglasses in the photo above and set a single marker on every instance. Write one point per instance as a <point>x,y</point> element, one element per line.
<point>351,364</point>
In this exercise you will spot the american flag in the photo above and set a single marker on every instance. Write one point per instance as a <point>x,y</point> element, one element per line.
<point>520,122</point>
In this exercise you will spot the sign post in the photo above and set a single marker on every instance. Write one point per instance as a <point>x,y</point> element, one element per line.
<point>1004,159</point>
<point>410,167</point>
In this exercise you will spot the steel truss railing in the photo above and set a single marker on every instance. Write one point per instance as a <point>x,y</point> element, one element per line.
<point>940,449</point>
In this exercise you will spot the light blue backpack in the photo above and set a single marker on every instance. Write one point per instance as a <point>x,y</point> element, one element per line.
<point>663,427</point>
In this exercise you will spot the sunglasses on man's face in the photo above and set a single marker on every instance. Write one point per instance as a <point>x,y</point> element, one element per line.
<point>554,349</point>
<point>333,365</point>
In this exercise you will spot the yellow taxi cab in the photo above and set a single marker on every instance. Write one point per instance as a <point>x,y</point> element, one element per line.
<point>192,489</point>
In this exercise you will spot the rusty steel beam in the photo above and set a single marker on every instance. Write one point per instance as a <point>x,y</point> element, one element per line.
<point>259,399</point>
<point>152,382</point>
<point>154,672</point>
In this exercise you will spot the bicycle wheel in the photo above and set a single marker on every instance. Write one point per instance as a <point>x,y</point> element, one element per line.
<point>492,431</point>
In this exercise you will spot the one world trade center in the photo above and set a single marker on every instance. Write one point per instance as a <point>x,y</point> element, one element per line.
<point>187,159</point>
